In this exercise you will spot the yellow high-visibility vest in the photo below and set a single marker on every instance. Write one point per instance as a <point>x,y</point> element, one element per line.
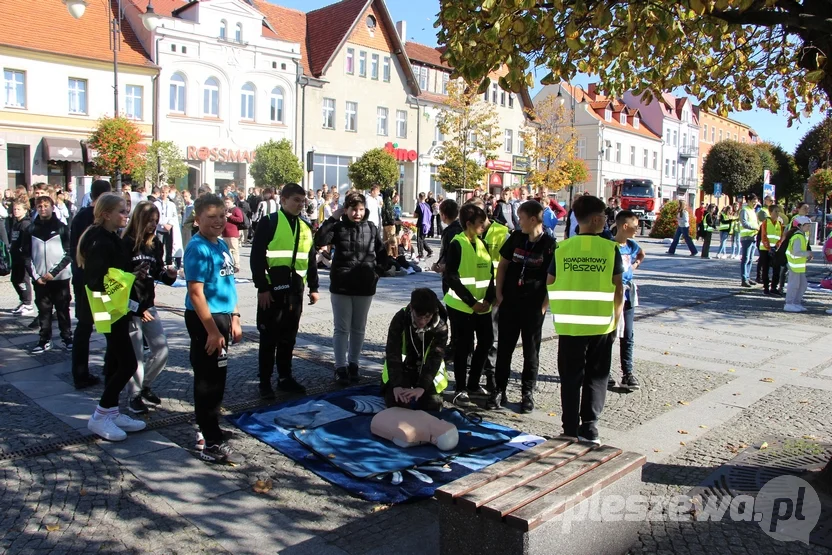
<point>281,250</point>
<point>113,303</point>
<point>495,237</point>
<point>797,264</point>
<point>474,273</point>
<point>440,380</point>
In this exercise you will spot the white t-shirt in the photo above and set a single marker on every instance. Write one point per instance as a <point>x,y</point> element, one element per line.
<point>373,207</point>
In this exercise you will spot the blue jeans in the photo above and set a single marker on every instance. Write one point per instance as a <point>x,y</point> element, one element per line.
<point>626,342</point>
<point>735,244</point>
<point>682,232</point>
<point>748,248</point>
<point>723,239</point>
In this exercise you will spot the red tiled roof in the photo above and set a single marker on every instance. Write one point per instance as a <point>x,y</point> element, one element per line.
<point>161,7</point>
<point>46,26</point>
<point>290,25</point>
<point>425,54</point>
<point>433,97</point>
<point>326,29</point>
<point>599,102</point>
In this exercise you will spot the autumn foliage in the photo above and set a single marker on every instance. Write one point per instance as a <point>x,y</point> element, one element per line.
<point>118,144</point>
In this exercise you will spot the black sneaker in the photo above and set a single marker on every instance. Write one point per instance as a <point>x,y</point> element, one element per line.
<point>611,383</point>
<point>137,406</point>
<point>462,400</point>
<point>353,370</point>
<point>67,344</point>
<point>527,404</point>
<point>34,324</point>
<point>588,434</point>
<point>266,391</point>
<point>341,376</point>
<point>746,284</point>
<point>629,382</point>
<point>493,402</point>
<point>150,397</point>
<point>42,347</point>
<point>220,454</point>
<point>503,399</point>
<point>289,385</point>
<point>477,391</point>
<point>88,381</point>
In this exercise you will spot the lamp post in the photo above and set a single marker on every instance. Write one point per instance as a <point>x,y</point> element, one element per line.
<point>150,20</point>
<point>573,104</point>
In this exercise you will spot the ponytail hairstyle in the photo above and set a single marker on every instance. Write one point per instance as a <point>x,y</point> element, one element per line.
<point>104,205</point>
<point>137,226</point>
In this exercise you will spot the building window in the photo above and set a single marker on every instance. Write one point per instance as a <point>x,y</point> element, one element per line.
<point>332,170</point>
<point>15,86</point>
<point>276,109</point>
<point>77,96</point>
<point>247,102</point>
<point>177,93</point>
<point>673,168</point>
<point>423,78</point>
<point>381,121</point>
<point>705,132</point>
<point>608,115</point>
<point>622,118</point>
<point>632,156</point>
<point>349,65</point>
<point>636,122</point>
<point>521,146</point>
<point>720,135</point>
<point>607,151</point>
<point>134,102</point>
<point>675,137</point>
<point>385,70</point>
<point>401,124</point>
<point>618,152</point>
<point>743,140</point>
<point>735,136</point>
<point>645,158</point>
<point>329,113</point>
<point>362,64</point>
<point>510,100</point>
<point>223,29</point>
<point>435,184</point>
<point>580,148</point>
<point>438,137</point>
<point>374,67</point>
<point>371,22</point>
<point>684,140</point>
<point>238,33</point>
<point>667,167</point>
<point>494,93</point>
<point>472,139</point>
<point>655,160</point>
<point>502,98</point>
<point>351,115</point>
<point>508,140</point>
<point>211,98</point>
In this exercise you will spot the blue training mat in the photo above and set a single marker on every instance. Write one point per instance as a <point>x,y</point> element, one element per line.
<point>330,435</point>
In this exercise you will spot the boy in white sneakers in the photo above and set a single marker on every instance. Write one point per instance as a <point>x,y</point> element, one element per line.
<point>797,256</point>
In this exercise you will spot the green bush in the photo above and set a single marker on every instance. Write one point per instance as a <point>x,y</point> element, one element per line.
<point>665,226</point>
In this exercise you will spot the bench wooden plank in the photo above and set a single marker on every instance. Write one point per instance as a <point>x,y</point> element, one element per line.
<point>457,488</point>
<point>567,496</point>
<point>500,507</point>
<point>522,476</point>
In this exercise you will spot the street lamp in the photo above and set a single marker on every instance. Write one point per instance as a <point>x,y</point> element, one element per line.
<point>150,20</point>
<point>573,104</point>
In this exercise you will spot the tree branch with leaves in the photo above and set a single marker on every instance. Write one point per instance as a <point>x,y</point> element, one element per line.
<point>162,163</point>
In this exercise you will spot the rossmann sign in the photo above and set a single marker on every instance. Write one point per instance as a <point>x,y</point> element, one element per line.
<point>204,153</point>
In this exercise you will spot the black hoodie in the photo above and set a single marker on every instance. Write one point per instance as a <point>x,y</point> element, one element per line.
<point>144,290</point>
<point>102,250</point>
<point>428,346</point>
<point>18,229</point>
<point>357,252</point>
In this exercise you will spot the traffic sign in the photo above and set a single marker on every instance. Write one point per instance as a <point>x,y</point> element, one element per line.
<point>717,190</point>
<point>768,190</point>
<point>766,177</point>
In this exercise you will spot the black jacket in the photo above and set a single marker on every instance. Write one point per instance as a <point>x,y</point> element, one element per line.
<point>452,259</point>
<point>448,234</point>
<point>266,228</point>
<point>357,252</point>
<point>102,250</point>
<point>82,220</point>
<point>17,231</point>
<point>387,216</point>
<point>144,290</point>
<point>408,371</point>
<point>45,248</point>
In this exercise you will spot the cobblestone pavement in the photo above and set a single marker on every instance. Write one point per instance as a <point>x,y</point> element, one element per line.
<point>726,366</point>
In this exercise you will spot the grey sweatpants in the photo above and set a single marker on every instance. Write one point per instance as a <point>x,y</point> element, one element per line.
<point>350,315</point>
<point>149,369</point>
<point>796,288</point>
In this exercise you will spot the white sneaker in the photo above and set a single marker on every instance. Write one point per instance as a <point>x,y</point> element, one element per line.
<point>105,427</point>
<point>27,310</point>
<point>801,308</point>
<point>793,308</point>
<point>18,309</point>
<point>829,311</point>
<point>129,424</point>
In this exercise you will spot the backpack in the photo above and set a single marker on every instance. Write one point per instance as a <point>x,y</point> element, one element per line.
<point>5,260</point>
<point>246,222</point>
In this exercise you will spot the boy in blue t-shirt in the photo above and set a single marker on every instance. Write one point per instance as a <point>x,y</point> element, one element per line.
<point>632,255</point>
<point>213,323</point>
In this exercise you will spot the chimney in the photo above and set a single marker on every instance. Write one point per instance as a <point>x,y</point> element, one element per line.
<point>401,29</point>
<point>592,89</point>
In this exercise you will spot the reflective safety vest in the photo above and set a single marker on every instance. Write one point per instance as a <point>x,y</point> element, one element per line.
<point>773,231</point>
<point>724,223</point>
<point>495,237</point>
<point>707,227</point>
<point>752,218</point>
<point>285,246</point>
<point>110,305</point>
<point>582,298</point>
<point>763,214</point>
<point>440,380</point>
<point>474,273</point>
<point>797,264</point>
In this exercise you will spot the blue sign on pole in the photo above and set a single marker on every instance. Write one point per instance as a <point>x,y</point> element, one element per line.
<point>717,190</point>
<point>768,190</point>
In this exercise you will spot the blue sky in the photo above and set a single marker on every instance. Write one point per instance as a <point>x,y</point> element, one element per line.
<point>420,15</point>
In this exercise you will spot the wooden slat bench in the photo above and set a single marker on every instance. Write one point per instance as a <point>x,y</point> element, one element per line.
<point>538,501</point>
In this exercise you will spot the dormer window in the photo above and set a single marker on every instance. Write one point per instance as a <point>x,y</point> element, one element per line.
<point>607,114</point>
<point>622,119</point>
<point>635,121</point>
<point>371,23</point>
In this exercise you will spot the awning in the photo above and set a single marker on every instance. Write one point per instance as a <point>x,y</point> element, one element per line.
<point>59,149</point>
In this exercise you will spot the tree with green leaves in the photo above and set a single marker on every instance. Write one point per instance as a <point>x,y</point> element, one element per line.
<point>275,164</point>
<point>730,54</point>
<point>736,165</point>
<point>374,167</point>
<point>820,185</point>
<point>117,142</point>
<point>470,128</point>
<point>789,185</point>
<point>162,164</point>
<point>816,144</point>
<point>550,143</point>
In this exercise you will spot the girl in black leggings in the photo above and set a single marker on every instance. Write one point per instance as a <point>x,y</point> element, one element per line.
<point>99,249</point>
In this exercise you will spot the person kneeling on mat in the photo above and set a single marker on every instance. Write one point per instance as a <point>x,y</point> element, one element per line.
<point>414,373</point>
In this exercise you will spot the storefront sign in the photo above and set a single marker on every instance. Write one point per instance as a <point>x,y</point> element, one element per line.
<point>220,154</point>
<point>498,165</point>
<point>401,154</point>
<point>496,179</point>
<point>521,163</point>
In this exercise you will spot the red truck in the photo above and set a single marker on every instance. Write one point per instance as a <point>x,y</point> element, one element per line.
<point>640,196</point>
